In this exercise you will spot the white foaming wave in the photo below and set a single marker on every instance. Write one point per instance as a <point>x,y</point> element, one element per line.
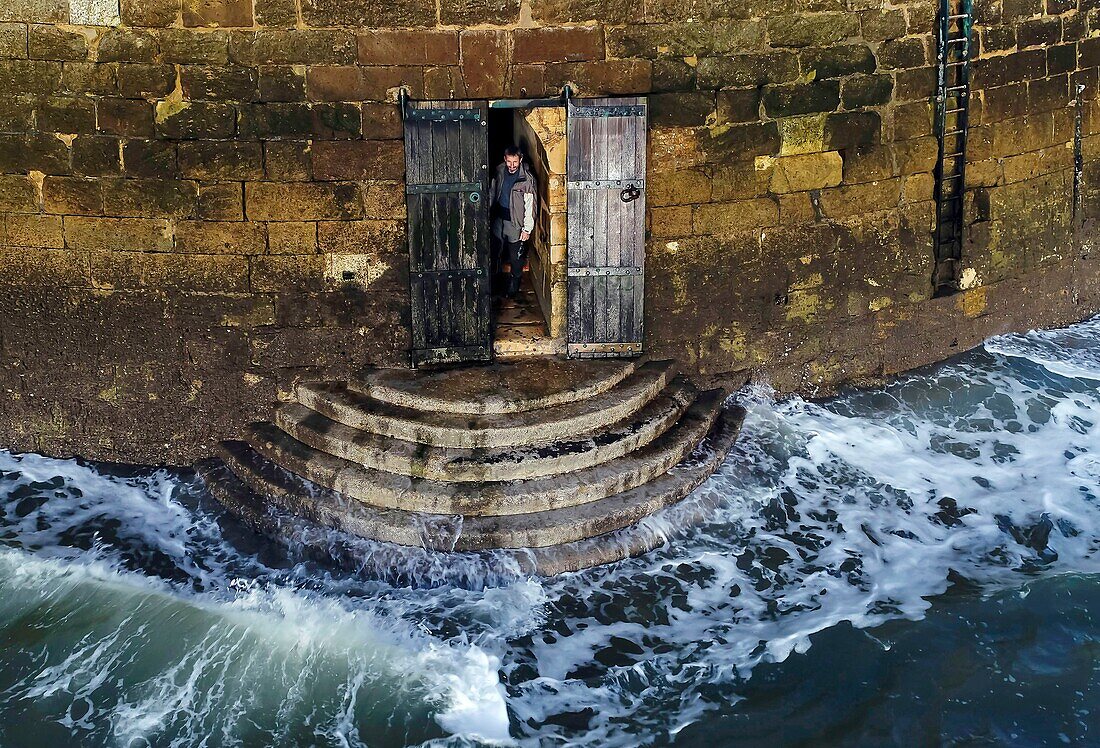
<point>255,635</point>
<point>834,513</point>
<point>1070,352</point>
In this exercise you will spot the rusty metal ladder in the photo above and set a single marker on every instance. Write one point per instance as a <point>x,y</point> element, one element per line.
<point>953,52</point>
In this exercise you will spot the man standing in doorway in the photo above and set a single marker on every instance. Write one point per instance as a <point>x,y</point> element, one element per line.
<point>512,193</point>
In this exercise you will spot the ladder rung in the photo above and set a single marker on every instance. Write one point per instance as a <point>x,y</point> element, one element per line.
<point>953,111</point>
<point>954,132</point>
<point>956,64</point>
<point>958,16</point>
<point>953,155</point>
<point>958,39</point>
<point>957,88</point>
<point>953,176</point>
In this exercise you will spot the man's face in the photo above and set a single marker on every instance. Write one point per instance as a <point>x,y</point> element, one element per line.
<point>512,162</point>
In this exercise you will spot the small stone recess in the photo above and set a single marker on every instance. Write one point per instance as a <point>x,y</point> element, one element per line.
<point>549,461</point>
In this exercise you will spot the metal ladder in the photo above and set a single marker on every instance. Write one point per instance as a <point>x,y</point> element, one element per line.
<point>952,113</point>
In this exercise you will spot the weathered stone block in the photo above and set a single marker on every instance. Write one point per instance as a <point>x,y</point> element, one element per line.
<point>70,116</point>
<point>130,117</point>
<point>728,218</point>
<point>154,13</point>
<point>380,238</point>
<point>149,198</point>
<point>552,12</point>
<point>1061,58</point>
<point>220,237</point>
<point>381,121</point>
<point>95,156</point>
<point>18,194</point>
<point>445,83</point>
<point>548,44</point>
<point>13,40</point>
<point>87,78</point>
<point>190,47</point>
<point>679,187</point>
<point>486,57</point>
<point>384,200</point>
<point>866,90</point>
<point>917,155</point>
<point>672,75</point>
<point>53,43</point>
<point>35,11</point>
<point>33,230</point>
<point>276,13</point>
<point>747,70</point>
<point>811,171</point>
<point>408,47</point>
<point>685,39</point>
<point>127,45</point>
<point>738,105</point>
<point>868,164</point>
<point>898,54</point>
<point>802,98</point>
<point>197,120</point>
<point>601,78</point>
<point>835,62</point>
<point>682,109</point>
<point>292,47</point>
<point>912,120</point>
<point>94,12</point>
<point>739,142</point>
<point>27,153</point>
<point>880,25</point>
<point>232,160</point>
<point>292,238</point>
<point>285,274</point>
<point>369,13</point>
<point>219,83</point>
<point>144,80</point>
<point>358,160</point>
<point>353,83</point>
<point>221,201</point>
<point>670,222</point>
<point>29,76</point>
<point>287,161</point>
<point>1039,32</point>
<point>282,83</point>
<point>150,158</point>
<point>857,199</point>
<point>1011,68</point>
<point>475,12</point>
<point>303,201</point>
<point>117,234</point>
<point>816,30</point>
<point>72,195</point>
<point>223,13</point>
<point>851,129</point>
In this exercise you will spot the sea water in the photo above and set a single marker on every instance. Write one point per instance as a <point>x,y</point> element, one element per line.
<point>913,565</point>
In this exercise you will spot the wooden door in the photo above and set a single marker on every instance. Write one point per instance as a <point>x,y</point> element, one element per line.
<point>606,226</point>
<point>446,152</point>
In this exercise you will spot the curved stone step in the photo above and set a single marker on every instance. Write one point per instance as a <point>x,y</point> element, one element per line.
<point>503,387</point>
<point>391,491</point>
<point>463,431</point>
<point>488,465</point>
<point>546,529</point>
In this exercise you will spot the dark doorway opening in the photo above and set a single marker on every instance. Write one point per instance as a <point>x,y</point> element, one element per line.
<point>518,322</point>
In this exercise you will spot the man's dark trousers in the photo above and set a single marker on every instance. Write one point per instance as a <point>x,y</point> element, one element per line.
<point>514,253</point>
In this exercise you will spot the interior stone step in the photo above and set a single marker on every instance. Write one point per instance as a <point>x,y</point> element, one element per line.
<point>494,464</point>
<point>470,431</point>
<point>544,529</point>
<point>502,387</point>
<point>391,491</point>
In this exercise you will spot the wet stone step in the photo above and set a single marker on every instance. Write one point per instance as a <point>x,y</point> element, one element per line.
<point>468,431</point>
<point>389,490</point>
<point>492,464</point>
<point>507,387</point>
<point>553,529</point>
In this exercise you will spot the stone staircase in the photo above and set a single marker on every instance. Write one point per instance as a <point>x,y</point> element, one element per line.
<point>541,457</point>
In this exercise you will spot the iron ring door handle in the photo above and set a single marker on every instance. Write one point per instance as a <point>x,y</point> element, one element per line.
<point>630,193</point>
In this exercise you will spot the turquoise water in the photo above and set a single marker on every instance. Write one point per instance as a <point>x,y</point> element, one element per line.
<point>912,565</point>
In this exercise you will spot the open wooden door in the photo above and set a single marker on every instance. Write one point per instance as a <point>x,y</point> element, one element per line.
<point>606,164</point>
<point>446,152</point>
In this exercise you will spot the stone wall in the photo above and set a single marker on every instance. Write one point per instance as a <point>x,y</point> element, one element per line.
<point>201,200</point>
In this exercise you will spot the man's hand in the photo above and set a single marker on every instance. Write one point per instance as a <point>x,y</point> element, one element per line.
<point>524,236</point>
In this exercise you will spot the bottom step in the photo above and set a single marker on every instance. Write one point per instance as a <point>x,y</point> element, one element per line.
<point>543,542</point>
